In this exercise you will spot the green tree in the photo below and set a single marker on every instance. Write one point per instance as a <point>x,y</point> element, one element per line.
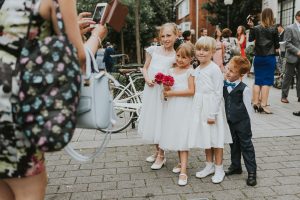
<point>238,12</point>
<point>152,14</point>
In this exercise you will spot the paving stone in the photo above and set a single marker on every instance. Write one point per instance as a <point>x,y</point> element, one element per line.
<point>131,184</point>
<point>102,186</point>
<point>116,164</point>
<point>138,176</point>
<point>65,196</point>
<point>166,197</point>
<point>52,189</point>
<point>129,170</point>
<point>109,194</point>
<point>258,192</point>
<point>204,187</point>
<point>103,171</point>
<point>160,181</point>
<point>116,177</point>
<point>147,192</point>
<point>72,188</point>
<point>228,195</point>
<point>78,173</point>
<point>291,164</point>
<point>271,166</point>
<point>268,173</point>
<point>92,166</point>
<point>56,174</point>
<point>62,181</point>
<point>57,162</point>
<point>287,189</point>
<point>94,195</point>
<point>283,197</point>
<point>90,179</point>
<point>66,167</point>
<point>289,180</point>
<point>290,171</point>
<point>176,189</point>
<point>196,196</point>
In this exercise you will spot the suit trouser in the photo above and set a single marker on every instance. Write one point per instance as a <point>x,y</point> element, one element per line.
<point>290,70</point>
<point>242,145</point>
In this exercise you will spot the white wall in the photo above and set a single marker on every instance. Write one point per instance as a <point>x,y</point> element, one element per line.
<point>297,5</point>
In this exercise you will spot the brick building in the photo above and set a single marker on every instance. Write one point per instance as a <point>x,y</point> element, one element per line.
<point>191,16</point>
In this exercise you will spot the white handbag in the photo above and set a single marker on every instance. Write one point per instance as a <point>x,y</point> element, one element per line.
<point>95,109</point>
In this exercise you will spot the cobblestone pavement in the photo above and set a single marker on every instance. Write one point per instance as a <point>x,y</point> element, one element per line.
<point>122,173</point>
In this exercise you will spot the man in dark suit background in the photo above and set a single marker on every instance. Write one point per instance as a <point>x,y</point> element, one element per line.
<point>107,59</point>
<point>292,38</point>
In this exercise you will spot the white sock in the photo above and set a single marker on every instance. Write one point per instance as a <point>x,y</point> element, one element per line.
<point>209,164</point>
<point>219,168</point>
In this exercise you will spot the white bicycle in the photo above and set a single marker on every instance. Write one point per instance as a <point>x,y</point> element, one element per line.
<point>127,99</point>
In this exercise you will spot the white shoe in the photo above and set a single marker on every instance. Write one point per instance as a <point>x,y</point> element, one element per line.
<point>182,182</point>
<point>151,158</point>
<point>177,168</point>
<point>219,174</point>
<point>208,170</point>
<point>158,165</point>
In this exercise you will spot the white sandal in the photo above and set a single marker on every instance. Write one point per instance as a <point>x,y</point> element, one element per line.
<point>159,165</point>
<point>182,182</point>
<point>177,168</point>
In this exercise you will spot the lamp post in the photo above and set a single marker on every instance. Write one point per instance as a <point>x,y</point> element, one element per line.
<point>228,3</point>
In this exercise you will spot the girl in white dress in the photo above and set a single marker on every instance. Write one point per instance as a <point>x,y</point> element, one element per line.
<point>209,129</point>
<point>158,59</point>
<point>177,109</point>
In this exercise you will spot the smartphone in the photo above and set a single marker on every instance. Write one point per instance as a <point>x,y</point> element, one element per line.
<point>99,11</point>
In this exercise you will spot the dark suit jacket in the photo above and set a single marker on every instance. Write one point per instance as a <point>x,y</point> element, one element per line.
<point>292,38</point>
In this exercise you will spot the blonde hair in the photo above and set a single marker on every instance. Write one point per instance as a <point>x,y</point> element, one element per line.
<point>241,64</point>
<point>174,27</point>
<point>186,50</point>
<point>267,18</point>
<point>206,42</point>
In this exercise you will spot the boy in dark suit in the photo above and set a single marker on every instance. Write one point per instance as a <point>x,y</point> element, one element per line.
<point>237,96</point>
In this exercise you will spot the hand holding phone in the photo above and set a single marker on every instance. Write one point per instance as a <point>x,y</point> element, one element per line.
<point>99,12</point>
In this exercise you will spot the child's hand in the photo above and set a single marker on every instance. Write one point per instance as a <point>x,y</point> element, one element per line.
<point>150,83</point>
<point>166,93</point>
<point>211,121</point>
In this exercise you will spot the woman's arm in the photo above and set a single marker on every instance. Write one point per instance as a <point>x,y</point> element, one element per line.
<point>69,15</point>
<point>183,93</point>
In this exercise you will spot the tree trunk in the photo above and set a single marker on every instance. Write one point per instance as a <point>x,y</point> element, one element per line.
<point>137,31</point>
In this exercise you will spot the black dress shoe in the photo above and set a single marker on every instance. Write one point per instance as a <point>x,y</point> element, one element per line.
<point>251,181</point>
<point>232,171</point>
<point>296,113</point>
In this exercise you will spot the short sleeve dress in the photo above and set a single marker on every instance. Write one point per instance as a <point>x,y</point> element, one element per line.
<point>176,116</point>
<point>18,157</point>
<point>152,103</point>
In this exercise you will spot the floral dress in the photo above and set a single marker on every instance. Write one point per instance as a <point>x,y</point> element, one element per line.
<point>18,157</point>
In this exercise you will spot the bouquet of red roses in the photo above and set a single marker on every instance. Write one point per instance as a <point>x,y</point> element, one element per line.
<point>166,80</point>
<point>159,78</point>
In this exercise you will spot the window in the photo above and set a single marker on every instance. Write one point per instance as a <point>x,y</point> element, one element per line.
<point>183,9</point>
<point>286,12</point>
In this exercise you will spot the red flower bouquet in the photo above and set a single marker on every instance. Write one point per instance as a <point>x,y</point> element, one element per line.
<point>168,81</point>
<point>159,78</point>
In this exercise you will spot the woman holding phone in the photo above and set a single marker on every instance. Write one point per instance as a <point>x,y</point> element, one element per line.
<point>22,165</point>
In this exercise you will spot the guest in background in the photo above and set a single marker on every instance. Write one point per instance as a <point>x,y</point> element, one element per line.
<point>219,54</point>
<point>107,59</point>
<point>241,36</point>
<point>266,45</point>
<point>292,39</point>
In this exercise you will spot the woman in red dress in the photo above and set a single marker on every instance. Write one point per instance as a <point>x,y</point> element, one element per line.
<point>241,36</point>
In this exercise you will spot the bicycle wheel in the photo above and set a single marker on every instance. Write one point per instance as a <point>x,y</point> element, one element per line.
<point>124,108</point>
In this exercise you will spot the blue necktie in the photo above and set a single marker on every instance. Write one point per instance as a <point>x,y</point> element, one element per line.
<point>229,84</point>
